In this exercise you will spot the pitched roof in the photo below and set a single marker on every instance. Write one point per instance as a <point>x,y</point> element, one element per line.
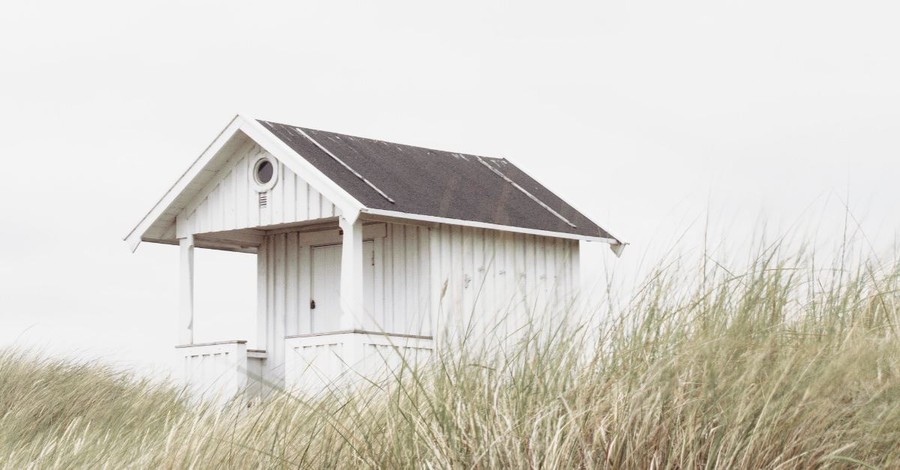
<point>419,181</point>
<point>382,180</point>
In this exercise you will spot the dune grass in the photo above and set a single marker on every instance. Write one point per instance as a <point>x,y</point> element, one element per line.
<point>782,365</point>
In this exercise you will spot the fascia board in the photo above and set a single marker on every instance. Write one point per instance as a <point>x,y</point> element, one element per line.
<point>134,236</point>
<point>471,223</point>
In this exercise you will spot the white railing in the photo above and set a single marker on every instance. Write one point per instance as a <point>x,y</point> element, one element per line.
<point>219,370</point>
<point>321,361</point>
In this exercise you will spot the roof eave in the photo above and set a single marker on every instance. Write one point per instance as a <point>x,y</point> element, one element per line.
<point>381,213</point>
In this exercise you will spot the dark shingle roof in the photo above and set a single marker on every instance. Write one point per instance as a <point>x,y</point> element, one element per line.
<point>435,183</point>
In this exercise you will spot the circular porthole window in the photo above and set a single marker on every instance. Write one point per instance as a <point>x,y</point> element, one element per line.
<point>264,174</point>
<point>264,171</point>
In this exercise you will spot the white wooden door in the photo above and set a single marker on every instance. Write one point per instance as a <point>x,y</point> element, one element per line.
<point>325,305</point>
<point>325,289</point>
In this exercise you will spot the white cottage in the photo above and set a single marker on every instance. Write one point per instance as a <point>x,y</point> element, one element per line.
<point>367,250</point>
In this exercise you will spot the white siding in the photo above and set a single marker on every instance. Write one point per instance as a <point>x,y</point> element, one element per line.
<point>316,363</point>
<point>230,201</point>
<point>401,294</point>
<point>215,370</point>
<point>325,290</point>
<point>395,279</point>
<point>423,281</point>
<point>490,283</point>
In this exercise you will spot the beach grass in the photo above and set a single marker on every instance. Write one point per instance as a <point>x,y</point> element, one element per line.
<point>781,364</point>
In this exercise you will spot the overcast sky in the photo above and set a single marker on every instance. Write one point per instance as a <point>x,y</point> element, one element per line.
<point>648,116</point>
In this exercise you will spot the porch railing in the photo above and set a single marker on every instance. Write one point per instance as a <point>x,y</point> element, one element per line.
<point>221,369</point>
<point>317,362</point>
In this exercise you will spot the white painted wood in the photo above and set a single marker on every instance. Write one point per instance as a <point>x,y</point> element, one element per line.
<point>468,316</point>
<point>351,294</point>
<point>298,273</point>
<point>325,289</point>
<point>397,310</point>
<point>479,307</point>
<point>369,318</point>
<point>315,204</point>
<point>278,322</point>
<point>387,262</point>
<point>277,194</point>
<point>575,259</point>
<point>379,310</point>
<point>344,359</point>
<point>412,275</point>
<point>304,276</point>
<point>519,276</point>
<point>246,237</point>
<point>409,314</point>
<point>186,291</point>
<point>231,199</point>
<point>455,309</point>
<point>209,164</point>
<point>377,214</point>
<point>300,165</point>
<point>215,371</point>
<point>292,284</point>
<point>434,288</point>
<point>161,213</point>
<point>262,304</point>
<point>489,308</point>
<point>289,196</point>
<point>529,275</point>
<point>414,280</point>
<point>421,317</point>
<point>376,320</point>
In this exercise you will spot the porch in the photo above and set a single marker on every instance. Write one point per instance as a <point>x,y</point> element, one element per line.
<point>313,363</point>
<point>326,314</point>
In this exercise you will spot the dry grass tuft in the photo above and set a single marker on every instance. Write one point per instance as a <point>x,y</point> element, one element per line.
<point>780,366</point>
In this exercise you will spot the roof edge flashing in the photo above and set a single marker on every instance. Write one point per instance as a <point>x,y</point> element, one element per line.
<point>487,225</point>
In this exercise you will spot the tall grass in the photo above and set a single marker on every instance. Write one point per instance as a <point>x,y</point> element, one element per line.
<point>780,365</point>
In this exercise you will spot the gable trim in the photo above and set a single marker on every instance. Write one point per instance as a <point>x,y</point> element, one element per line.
<point>272,144</point>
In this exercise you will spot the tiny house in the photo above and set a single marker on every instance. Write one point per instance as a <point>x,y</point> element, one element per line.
<point>367,251</point>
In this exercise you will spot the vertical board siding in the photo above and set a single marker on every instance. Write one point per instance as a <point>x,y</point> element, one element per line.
<point>304,273</point>
<point>497,281</point>
<point>315,363</point>
<point>262,307</point>
<point>313,368</point>
<point>231,201</point>
<point>396,278</point>
<point>292,284</point>
<point>214,371</point>
<point>402,282</point>
<point>425,281</point>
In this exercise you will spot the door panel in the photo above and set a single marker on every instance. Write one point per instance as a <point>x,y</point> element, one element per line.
<point>325,286</point>
<point>325,289</point>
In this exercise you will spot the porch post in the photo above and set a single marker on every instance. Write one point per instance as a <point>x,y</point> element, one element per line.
<point>186,294</point>
<point>262,295</point>
<point>351,274</point>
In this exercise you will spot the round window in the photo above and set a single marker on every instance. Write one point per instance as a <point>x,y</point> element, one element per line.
<point>264,171</point>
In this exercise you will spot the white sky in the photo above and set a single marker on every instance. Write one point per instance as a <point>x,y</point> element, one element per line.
<point>645,115</point>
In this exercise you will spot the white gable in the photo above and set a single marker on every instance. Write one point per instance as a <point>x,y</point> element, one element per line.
<point>231,200</point>
<point>201,205</point>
